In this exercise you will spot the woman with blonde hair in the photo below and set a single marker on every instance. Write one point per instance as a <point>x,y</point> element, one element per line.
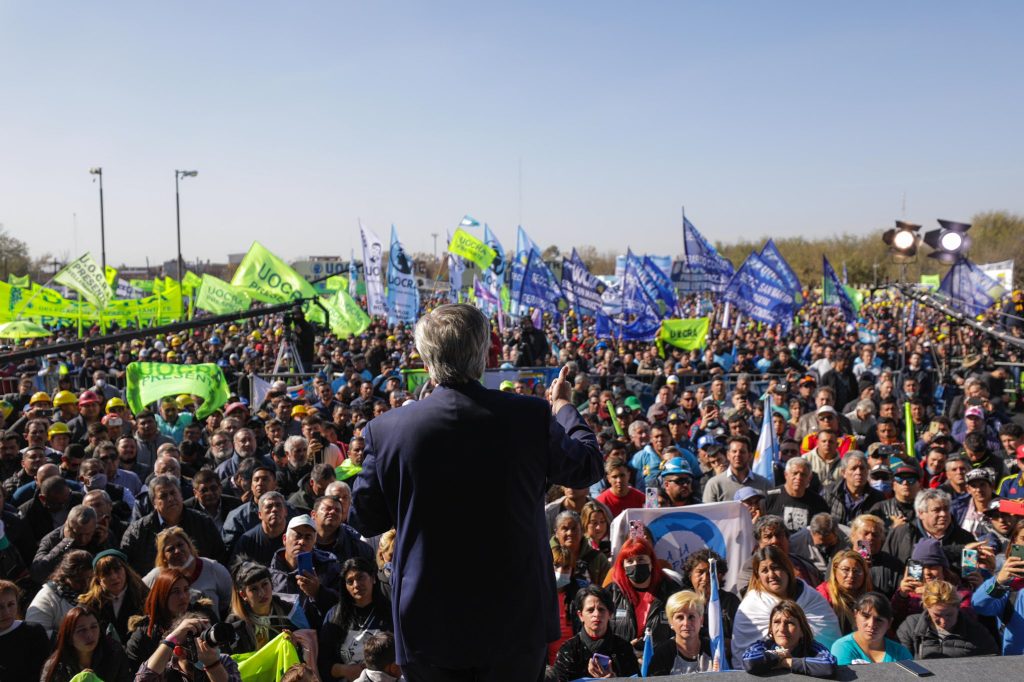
<point>116,593</point>
<point>175,549</point>
<point>849,578</point>
<point>687,651</point>
<point>942,630</point>
<point>385,552</point>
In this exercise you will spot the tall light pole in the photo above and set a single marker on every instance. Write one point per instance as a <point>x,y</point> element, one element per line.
<point>177,205</point>
<point>103,231</point>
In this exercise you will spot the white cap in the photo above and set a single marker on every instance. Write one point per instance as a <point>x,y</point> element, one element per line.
<point>302,520</point>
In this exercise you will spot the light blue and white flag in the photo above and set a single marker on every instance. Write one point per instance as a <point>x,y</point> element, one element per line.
<point>724,527</point>
<point>702,268</point>
<point>353,277</point>
<point>494,276</point>
<point>716,631</point>
<point>403,294</point>
<point>767,450</point>
<point>373,271</point>
<point>469,221</point>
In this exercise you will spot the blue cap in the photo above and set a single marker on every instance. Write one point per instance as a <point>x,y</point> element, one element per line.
<point>705,441</point>
<point>676,466</point>
<point>745,493</point>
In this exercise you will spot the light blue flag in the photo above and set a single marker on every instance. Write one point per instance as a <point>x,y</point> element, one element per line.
<point>716,631</point>
<point>767,446</point>
<point>469,221</point>
<point>494,276</point>
<point>456,268</point>
<point>403,295</point>
<point>645,663</point>
<point>353,277</point>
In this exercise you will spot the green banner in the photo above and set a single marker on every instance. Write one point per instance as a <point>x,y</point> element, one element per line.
<point>267,278</point>
<point>111,276</point>
<point>932,281</point>
<point>472,249</point>
<point>220,298</point>
<point>414,378</point>
<point>150,381</point>
<point>85,276</point>
<point>346,315</point>
<point>686,334</point>
<point>142,285</point>
<point>270,663</point>
<point>336,283</point>
<point>22,282</point>
<point>190,282</point>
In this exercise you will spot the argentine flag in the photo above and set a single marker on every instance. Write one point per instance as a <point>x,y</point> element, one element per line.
<point>767,446</point>
<point>715,630</point>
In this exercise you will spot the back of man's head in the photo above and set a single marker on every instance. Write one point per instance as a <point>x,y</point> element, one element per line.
<point>379,651</point>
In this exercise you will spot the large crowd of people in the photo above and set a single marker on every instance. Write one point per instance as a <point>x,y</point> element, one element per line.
<point>154,545</point>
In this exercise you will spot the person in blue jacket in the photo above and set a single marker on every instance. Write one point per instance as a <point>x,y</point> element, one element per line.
<point>1001,596</point>
<point>789,645</point>
<point>422,459</point>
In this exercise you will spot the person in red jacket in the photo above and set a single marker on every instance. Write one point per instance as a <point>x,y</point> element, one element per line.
<point>620,495</point>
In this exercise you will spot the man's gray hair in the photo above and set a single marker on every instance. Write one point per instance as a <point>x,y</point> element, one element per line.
<point>454,340</point>
<point>797,462</point>
<point>929,495</point>
<point>289,445</point>
<point>822,524</point>
<point>164,481</point>
<point>866,407</point>
<point>270,495</point>
<point>80,514</point>
<point>337,485</point>
<point>637,427</point>
<point>771,521</point>
<point>854,455</point>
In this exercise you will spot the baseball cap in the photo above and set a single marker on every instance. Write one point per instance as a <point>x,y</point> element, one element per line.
<point>672,379</point>
<point>746,493</point>
<point>904,470</point>
<point>507,385</point>
<point>1020,452</point>
<point>632,403</point>
<point>708,402</point>
<point>826,409</point>
<point>302,520</point>
<point>974,411</point>
<point>981,474</point>
<point>881,471</point>
<point>232,408</point>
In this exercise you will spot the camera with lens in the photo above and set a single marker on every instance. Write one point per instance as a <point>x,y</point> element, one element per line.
<point>887,450</point>
<point>217,636</point>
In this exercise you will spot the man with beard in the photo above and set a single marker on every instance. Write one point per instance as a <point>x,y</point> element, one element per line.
<point>139,541</point>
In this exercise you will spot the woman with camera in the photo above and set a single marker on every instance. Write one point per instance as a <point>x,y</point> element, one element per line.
<point>262,614</point>
<point>168,599</point>
<point>184,656</point>
<point>82,645</point>
<point>596,651</point>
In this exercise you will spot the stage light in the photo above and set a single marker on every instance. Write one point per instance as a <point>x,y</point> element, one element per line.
<point>902,240</point>
<point>949,241</point>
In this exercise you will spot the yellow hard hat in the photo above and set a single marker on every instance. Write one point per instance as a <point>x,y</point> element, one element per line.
<point>256,336</point>
<point>57,429</point>
<point>114,402</point>
<point>298,409</point>
<point>232,329</point>
<point>175,341</point>
<point>184,400</point>
<point>65,398</point>
<point>40,397</point>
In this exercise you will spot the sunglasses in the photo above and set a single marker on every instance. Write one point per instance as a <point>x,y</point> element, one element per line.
<point>679,481</point>
<point>905,479</point>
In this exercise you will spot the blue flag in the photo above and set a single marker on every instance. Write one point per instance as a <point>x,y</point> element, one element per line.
<point>970,287</point>
<point>524,246</point>
<point>469,221</point>
<point>771,255</point>
<point>582,290</point>
<point>757,292</point>
<point>833,292</point>
<point>540,289</point>
<point>645,663</point>
<point>403,294</point>
<point>767,445</point>
<point>702,268</point>
<point>353,277</point>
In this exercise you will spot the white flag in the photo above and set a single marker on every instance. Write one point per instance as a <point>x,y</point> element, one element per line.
<point>85,276</point>
<point>373,271</point>
<point>678,532</point>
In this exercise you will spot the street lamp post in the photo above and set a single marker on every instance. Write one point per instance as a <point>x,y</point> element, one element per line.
<point>177,206</point>
<point>103,232</point>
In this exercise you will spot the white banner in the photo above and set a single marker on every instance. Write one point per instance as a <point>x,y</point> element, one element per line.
<point>373,271</point>
<point>725,527</point>
<point>1001,272</point>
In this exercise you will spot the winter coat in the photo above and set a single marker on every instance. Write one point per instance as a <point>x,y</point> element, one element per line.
<point>967,638</point>
<point>623,622</point>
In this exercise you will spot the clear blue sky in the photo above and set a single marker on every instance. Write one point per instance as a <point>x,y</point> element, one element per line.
<point>762,118</point>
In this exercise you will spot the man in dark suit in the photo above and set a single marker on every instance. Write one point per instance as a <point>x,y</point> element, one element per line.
<point>423,462</point>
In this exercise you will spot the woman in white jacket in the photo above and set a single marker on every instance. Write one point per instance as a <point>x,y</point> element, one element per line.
<point>774,579</point>
<point>60,593</point>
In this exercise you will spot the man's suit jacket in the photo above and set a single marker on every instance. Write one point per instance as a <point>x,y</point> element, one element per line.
<point>471,585</point>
